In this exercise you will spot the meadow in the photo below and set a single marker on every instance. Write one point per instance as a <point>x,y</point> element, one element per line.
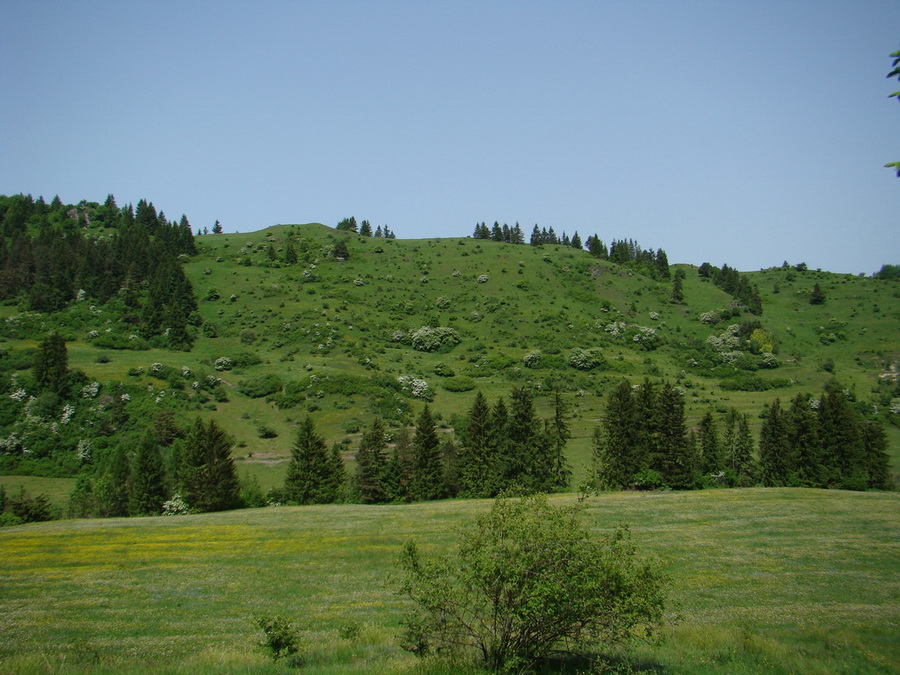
<point>764,580</point>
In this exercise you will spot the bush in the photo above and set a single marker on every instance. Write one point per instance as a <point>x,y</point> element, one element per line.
<point>586,359</point>
<point>529,580</point>
<point>281,639</point>
<point>257,387</point>
<point>459,384</point>
<point>434,339</point>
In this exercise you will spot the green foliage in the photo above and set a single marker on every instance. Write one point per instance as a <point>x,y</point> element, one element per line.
<point>281,639</point>
<point>206,471</point>
<point>312,477</point>
<point>434,339</point>
<point>528,579</point>
<point>258,387</point>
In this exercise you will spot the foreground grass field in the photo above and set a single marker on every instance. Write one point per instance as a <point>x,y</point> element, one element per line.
<point>767,581</point>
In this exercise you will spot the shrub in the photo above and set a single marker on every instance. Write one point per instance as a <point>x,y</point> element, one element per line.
<point>459,384</point>
<point>586,359</point>
<point>257,387</point>
<point>281,638</point>
<point>529,580</point>
<point>434,338</point>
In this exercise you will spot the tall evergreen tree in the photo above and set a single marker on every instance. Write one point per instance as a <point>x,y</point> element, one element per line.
<point>310,474</point>
<point>370,464</point>
<point>875,456</point>
<point>842,451</point>
<point>112,486</point>
<point>711,458</point>
<point>428,473</point>
<point>51,364</point>
<point>477,463</point>
<point>775,463</point>
<point>678,456</point>
<point>744,465</point>
<point>206,469</point>
<point>365,228</point>
<point>678,287</point>
<point>615,449</point>
<point>147,487</point>
<point>559,435</point>
<point>803,439</point>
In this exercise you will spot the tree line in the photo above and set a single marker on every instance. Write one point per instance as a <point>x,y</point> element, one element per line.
<point>643,443</point>
<point>734,283</point>
<point>54,254</point>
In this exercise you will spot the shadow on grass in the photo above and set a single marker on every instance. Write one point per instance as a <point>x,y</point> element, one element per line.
<point>581,665</point>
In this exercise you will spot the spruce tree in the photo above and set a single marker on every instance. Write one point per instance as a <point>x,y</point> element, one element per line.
<point>744,465</point>
<point>370,464</point>
<point>875,456</point>
<point>615,449</point>
<point>711,458</point>
<point>842,451</point>
<point>207,473</point>
<point>559,435</point>
<point>147,487</point>
<point>428,473</point>
<point>477,465</point>
<point>112,486</point>
<point>817,296</point>
<point>678,287</point>
<point>803,439</point>
<point>217,228</point>
<point>365,228</point>
<point>678,457</point>
<point>51,364</point>
<point>309,477</point>
<point>774,449</point>
<point>527,456</point>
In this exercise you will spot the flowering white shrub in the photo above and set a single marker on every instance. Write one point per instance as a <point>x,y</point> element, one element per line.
<point>895,406</point>
<point>176,506</point>
<point>67,412</point>
<point>93,334</point>
<point>482,279</point>
<point>19,395</point>
<point>646,337</point>
<point>212,381</point>
<point>90,390</point>
<point>359,282</point>
<point>532,358</point>
<point>416,387</point>
<point>769,360</point>
<point>398,336</point>
<point>185,371</point>
<point>125,398</point>
<point>586,359</point>
<point>654,316</point>
<point>223,363</point>
<point>423,280</point>
<point>156,368</point>
<point>710,317</point>
<point>81,295</point>
<point>433,338</point>
<point>84,450</point>
<point>456,273</point>
<point>12,445</point>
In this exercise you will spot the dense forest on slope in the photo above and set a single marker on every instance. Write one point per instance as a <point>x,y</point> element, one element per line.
<point>352,327</point>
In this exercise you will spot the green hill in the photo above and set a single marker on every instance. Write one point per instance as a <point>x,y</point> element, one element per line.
<point>330,336</point>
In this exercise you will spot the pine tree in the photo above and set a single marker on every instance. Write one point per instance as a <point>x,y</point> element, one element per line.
<point>842,451</point>
<point>310,474</point>
<point>147,490</point>
<point>679,457</point>
<point>427,479</point>
<point>290,254</point>
<point>678,287</point>
<point>576,241</point>
<point>711,458</point>
<point>365,228</point>
<point>876,458</point>
<point>217,228</point>
<point>51,364</point>
<point>774,450</point>
<point>477,465</point>
<point>817,296</point>
<point>112,486</point>
<point>559,435</point>
<point>370,464</point>
<point>803,439</point>
<point>744,465</point>
<point>206,469</point>
<point>615,448</point>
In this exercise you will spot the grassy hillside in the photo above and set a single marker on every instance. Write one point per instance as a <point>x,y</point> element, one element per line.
<point>768,580</point>
<point>336,331</point>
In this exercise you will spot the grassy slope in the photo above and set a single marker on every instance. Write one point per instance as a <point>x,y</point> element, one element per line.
<point>768,580</point>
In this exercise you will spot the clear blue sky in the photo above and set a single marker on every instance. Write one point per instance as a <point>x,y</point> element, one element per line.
<point>724,131</point>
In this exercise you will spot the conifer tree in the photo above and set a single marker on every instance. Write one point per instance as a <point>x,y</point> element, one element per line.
<point>51,364</point>
<point>477,463</point>
<point>206,469</point>
<point>678,287</point>
<point>817,296</point>
<point>576,241</point>
<point>875,456</point>
<point>525,460</point>
<point>112,486</point>
<point>615,449</point>
<point>711,458</point>
<point>774,449</point>
<point>559,435</point>
<point>803,439</point>
<point>370,464</point>
<point>217,228</point>
<point>678,457</point>
<point>428,474</point>
<point>310,474</point>
<point>744,465</point>
<point>842,451</point>
<point>147,486</point>
<point>365,228</point>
